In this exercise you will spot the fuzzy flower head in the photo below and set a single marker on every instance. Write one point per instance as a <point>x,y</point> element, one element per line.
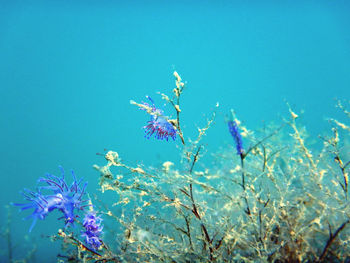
<point>159,124</point>
<point>93,230</point>
<point>58,195</point>
<point>234,131</point>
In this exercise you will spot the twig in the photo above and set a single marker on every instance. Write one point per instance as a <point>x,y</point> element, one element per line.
<point>333,142</point>
<point>195,158</point>
<point>77,242</point>
<point>261,141</point>
<point>247,210</point>
<point>332,237</point>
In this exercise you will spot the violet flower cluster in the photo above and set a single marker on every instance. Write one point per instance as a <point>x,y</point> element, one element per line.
<point>93,230</point>
<point>234,131</point>
<point>159,123</point>
<point>58,195</point>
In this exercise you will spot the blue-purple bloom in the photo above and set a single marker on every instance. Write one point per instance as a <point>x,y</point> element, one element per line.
<point>93,230</point>
<point>234,130</point>
<point>58,195</point>
<point>159,124</point>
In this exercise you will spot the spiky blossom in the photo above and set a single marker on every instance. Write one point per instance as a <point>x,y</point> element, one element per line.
<point>159,123</point>
<point>58,196</point>
<point>234,131</point>
<point>93,230</point>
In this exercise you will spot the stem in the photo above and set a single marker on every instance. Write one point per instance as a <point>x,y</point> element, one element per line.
<point>178,90</point>
<point>205,231</point>
<point>332,237</point>
<point>344,174</point>
<point>178,119</point>
<point>195,159</point>
<point>195,210</point>
<point>243,174</point>
<point>188,232</point>
<point>247,210</point>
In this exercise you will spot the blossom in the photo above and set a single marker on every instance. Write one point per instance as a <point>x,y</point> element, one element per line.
<point>58,195</point>
<point>159,124</point>
<point>161,127</point>
<point>93,229</point>
<point>234,130</point>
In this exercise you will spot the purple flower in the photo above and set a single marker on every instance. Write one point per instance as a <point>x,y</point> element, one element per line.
<point>234,130</point>
<point>58,196</point>
<point>159,124</point>
<point>161,127</point>
<point>93,230</point>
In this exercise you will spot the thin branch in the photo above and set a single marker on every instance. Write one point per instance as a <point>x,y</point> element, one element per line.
<point>331,239</point>
<point>261,141</point>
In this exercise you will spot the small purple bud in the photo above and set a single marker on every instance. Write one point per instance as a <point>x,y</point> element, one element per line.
<point>234,130</point>
<point>93,230</point>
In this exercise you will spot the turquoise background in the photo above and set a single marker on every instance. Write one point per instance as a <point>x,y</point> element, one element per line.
<point>69,68</point>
